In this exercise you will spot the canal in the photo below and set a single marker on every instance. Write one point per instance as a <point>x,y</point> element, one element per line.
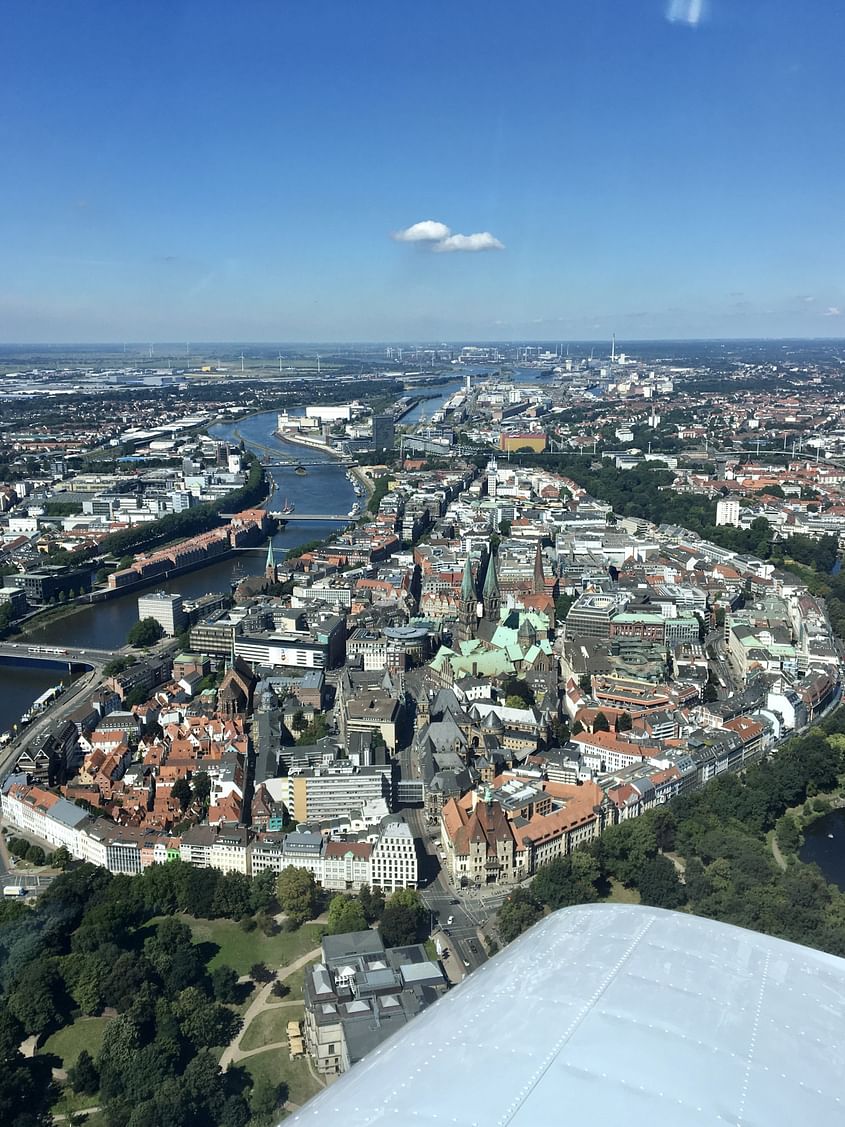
<point>323,489</point>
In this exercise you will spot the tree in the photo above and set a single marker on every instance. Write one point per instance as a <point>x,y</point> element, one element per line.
<point>38,999</point>
<point>586,683</point>
<point>202,1022</point>
<point>562,606</point>
<point>224,984</point>
<point>345,915</point>
<point>664,825</point>
<point>260,972</point>
<point>601,723</point>
<point>202,788</point>
<point>567,880</point>
<point>314,731</point>
<point>264,1100</point>
<point>518,912</point>
<point>372,902</point>
<point>659,885</point>
<point>145,632</point>
<point>403,919</point>
<point>788,835</point>
<point>517,687</point>
<point>61,858</point>
<point>181,792</point>
<point>624,723</point>
<point>83,1076</point>
<point>296,892</point>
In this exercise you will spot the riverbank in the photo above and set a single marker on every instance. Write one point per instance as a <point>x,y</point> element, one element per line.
<point>297,439</point>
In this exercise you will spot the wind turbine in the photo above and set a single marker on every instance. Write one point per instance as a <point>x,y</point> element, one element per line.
<point>280,363</point>
<point>242,363</point>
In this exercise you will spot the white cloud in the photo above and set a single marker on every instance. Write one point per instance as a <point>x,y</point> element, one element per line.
<point>439,238</point>
<point>426,231</point>
<point>481,240</point>
<point>689,12</point>
<point>833,311</point>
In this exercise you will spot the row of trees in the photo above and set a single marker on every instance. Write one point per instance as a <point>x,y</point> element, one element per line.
<point>402,916</point>
<point>723,866</point>
<point>178,526</point>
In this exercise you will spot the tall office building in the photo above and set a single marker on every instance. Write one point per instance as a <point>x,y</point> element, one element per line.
<point>383,432</point>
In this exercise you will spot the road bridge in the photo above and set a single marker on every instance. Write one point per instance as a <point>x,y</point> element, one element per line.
<point>331,518</point>
<point>22,653</point>
<point>344,518</point>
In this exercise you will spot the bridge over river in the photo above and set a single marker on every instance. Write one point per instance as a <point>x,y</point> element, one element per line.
<point>21,653</point>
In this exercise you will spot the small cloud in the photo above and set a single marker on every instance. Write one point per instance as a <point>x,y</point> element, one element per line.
<point>439,237</point>
<point>426,231</point>
<point>688,12</point>
<point>481,240</point>
<point>833,311</point>
<point>806,298</point>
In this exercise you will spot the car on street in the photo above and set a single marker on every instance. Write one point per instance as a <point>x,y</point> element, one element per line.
<point>450,921</point>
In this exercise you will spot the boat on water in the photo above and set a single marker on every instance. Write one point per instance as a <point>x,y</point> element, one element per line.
<point>288,506</point>
<point>41,703</point>
<point>301,470</point>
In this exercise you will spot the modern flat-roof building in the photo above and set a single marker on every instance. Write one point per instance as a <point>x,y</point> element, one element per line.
<point>360,993</point>
<point>166,609</point>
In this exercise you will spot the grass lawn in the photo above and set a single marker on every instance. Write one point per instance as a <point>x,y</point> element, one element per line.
<point>278,1068</point>
<point>241,949</point>
<point>70,1101</point>
<point>619,894</point>
<point>68,1043</point>
<point>270,1027</point>
<point>294,985</point>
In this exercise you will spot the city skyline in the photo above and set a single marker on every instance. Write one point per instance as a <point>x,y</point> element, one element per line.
<point>336,175</point>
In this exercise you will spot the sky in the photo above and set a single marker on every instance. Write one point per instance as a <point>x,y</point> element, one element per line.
<point>380,170</point>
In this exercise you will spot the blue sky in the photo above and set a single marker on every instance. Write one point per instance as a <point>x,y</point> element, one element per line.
<point>240,171</point>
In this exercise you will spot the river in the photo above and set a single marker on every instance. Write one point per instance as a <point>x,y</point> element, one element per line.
<point>441,393</point>
<point>824,845</point>
<point>324,489</point>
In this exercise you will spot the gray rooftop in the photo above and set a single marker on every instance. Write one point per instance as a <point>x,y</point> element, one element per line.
<point>68,812</point>
<point>617,1014</point>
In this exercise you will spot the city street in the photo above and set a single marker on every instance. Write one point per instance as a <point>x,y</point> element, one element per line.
<point>467,912</point>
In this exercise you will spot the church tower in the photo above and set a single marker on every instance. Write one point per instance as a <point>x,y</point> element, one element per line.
<point>491,596</point>
<point>539,578</point>
<point>468,614</point>
<point>270,566</point>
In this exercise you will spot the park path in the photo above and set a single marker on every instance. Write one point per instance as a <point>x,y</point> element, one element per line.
<point>233,1052</point>
<point>776,853</point>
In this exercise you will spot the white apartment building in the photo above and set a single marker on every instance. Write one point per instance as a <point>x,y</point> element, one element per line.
<point>727,511</point>
<point>393,863</point>
<point>44,815</point>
